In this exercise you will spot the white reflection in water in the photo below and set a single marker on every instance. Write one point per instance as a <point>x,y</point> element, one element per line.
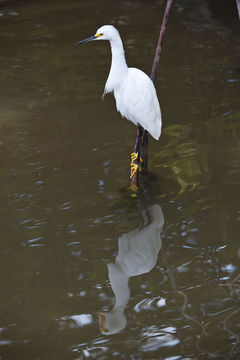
<point>5,342</point>
<point>152,344</point>
<point>153,338</point>
<point>75,321</point>
<point>150,304</point>
<point>137,254</point>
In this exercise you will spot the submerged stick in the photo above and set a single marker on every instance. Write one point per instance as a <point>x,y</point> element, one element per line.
<point>143,154</point>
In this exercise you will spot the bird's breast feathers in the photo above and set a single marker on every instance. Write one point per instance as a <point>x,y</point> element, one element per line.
<point>136,99</point>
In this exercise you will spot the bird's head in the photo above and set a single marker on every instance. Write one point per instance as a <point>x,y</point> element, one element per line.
<point>106,32</point>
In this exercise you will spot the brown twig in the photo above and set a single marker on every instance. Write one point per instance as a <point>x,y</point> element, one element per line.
<point>160,40</point>
<point>134,179</point>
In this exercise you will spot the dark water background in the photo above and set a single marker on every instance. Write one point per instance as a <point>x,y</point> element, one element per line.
<point>66,207</point>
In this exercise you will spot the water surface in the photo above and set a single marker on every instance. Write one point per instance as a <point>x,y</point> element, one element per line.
<point>90,268</point>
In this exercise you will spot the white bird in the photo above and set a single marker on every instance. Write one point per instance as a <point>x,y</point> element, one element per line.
<point>137,254</point>
<point>134,91</point>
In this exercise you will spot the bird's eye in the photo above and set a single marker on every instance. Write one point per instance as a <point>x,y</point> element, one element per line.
<point>99,35</point>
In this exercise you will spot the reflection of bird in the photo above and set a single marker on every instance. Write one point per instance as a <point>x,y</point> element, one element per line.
<point>137,254</point>
<point>135,94</point>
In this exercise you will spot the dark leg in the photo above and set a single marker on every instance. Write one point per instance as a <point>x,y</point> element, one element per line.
<point>139,143</point>
<point>136,156</point>
<point>138,139</point>
<point>144,150</point>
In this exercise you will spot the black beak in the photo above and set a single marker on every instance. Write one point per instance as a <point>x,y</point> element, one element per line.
<point>93,37</point>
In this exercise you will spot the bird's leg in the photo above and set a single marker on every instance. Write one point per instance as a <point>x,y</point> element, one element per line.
<point>139,143</point>
<point>136,159</point>
<point>143,151</point>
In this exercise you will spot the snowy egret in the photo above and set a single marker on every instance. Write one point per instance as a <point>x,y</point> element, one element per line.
<point>137,254</point>
<point>134,92</point>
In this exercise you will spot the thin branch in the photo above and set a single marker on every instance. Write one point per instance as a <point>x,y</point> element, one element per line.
<point>134,179</point>
<point>160,39</point>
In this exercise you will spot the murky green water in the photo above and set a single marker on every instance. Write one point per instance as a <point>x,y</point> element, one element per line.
<point>89,268</point>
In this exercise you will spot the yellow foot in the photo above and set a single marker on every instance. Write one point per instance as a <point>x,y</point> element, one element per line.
<point>134,157</point>
<point>134,167</point>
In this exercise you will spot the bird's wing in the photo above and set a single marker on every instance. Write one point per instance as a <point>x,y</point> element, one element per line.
<point>141,102</point>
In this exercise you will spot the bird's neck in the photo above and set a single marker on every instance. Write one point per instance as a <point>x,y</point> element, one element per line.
<point>118,67</point>
<point>119,284</point>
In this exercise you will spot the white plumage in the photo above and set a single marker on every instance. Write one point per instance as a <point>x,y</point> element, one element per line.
<point>134,92</point>
<point>137,254</point>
